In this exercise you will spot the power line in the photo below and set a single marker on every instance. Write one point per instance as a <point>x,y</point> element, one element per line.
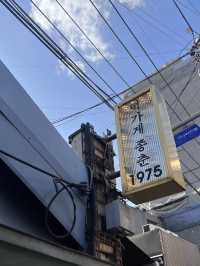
<point>179,118</point>
<point>70,194</point>
<point>49,174</point>
<point>65,186</point>
<point>149,40</point>
<point>75,114</point>
<point>27,21</point>
<point>155,51</point>
<point>65,54</point>
<point>149,57</point>
<point>138,41</point>
<point>22,16</point>
<point>157,21</point>
<point>64,118</point>
<point>191,77</point>
<point>173,110</point>
<point>49,43</point>
<point>93,44</point>
<point>190,7</point>
<point>193,6</point>
<point>185,47</point>
<point>58,52</point>
<point>133,34</point>
<point>174,33</point>
<point>184,17</point>
<point>77,51</point>
<point>156,27</point>
<point>185,122</point>
<point>188,82</point>
<point>118,38</point>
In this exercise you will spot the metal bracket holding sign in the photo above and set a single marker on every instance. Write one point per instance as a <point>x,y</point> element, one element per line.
<point>150,167</point>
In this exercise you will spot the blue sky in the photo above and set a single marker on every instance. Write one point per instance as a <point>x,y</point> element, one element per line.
<point>156,22</point>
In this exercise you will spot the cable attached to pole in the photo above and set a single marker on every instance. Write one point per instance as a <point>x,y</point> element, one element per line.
<point>29,23</point>
<point>66,186</point>
<point>118,38</point>
<point>68,190</point>
<point>93,44</point>
<point>66,117</point>
<point>184,18</point>
<point>77,51</point>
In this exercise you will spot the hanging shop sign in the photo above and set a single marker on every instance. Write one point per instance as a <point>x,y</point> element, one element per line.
<point>150,167</point>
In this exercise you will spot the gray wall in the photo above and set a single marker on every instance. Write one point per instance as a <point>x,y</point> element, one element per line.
<point>27,134</point>
<point>192,234</point>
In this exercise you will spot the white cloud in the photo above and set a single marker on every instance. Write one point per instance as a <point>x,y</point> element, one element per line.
<point>60,68</point>
<point>132,3</point>
<point>87,17</point>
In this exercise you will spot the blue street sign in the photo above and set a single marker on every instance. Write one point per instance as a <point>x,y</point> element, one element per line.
<point>187,135</point>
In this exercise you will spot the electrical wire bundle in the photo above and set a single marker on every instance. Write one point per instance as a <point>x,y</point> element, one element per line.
<point>67,187</point>
<point>64,186</point>
<point>28,22</point>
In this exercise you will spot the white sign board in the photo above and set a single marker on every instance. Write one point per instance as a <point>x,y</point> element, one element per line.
<point>144,157</point>
<point>142,142</point>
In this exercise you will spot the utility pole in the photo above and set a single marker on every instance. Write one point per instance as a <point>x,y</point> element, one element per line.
<point>97,153</point>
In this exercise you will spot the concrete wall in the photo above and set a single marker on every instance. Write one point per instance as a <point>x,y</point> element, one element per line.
<point>192,234</point>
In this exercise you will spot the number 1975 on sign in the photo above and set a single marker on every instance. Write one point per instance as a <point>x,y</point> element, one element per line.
<point>148,173</point>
